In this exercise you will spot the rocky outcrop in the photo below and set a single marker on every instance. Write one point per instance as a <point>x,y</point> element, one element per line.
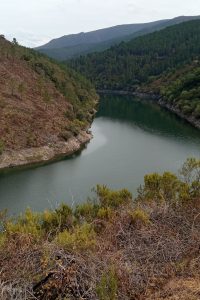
<point>44,154</point>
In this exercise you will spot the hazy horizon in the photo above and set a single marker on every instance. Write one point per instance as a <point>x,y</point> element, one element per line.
<point>39,21</point>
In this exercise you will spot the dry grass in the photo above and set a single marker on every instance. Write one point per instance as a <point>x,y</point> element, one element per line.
<point>158,260</point>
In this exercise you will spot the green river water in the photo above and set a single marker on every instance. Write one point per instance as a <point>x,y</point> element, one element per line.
<point>131,138</point>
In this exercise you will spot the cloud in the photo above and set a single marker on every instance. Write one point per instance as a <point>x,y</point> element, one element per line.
<point>34,22</point>
<point>29,39</point>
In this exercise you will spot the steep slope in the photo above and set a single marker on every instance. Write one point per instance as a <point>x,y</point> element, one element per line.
<point>75,45</point>
<point>179,91</point>
<point>41,105</point>
<point>132,63</point>
<point>164,63</point>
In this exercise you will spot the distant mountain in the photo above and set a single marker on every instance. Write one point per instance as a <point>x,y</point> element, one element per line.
<point>74,45</point>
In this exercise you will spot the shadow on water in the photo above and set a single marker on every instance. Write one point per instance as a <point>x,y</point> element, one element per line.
<point>145,114</point>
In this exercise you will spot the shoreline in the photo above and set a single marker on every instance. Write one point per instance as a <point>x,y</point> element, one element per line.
<point>189,119</point>
<point>11,160</point>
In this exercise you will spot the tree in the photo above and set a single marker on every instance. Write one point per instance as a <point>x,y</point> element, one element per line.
<point>14,41</point>
<point>21,89</point>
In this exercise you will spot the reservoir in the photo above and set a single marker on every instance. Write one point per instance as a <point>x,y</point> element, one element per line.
<point>132,137</point>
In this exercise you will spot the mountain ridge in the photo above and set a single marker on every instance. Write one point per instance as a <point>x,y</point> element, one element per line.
<point>73,45</point>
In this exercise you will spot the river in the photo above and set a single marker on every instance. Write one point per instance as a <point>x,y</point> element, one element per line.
<point>131,138</point>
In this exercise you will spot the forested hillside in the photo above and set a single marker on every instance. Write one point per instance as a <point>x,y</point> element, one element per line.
<point>130,64</point>
<point>165,63</point>
<point>180,89</point>
<point>41,103</point>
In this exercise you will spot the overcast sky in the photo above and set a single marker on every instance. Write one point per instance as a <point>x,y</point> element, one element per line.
<point>35,22</point>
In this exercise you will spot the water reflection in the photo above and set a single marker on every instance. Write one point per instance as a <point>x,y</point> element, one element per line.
<point>131,138</point>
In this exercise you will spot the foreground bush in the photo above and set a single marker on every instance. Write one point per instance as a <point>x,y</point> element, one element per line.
<point>110,248</point>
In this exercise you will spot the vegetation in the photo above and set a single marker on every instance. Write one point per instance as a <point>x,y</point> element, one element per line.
<point>110,247</point>
<point>40,98</point>
<point>1,146</point>
<point>164,63</point>
<point>127,65</point>
<point>180,89</point>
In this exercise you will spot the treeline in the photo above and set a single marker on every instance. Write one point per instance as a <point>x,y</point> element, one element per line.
<point>128,65</point>
<point>112,247</point>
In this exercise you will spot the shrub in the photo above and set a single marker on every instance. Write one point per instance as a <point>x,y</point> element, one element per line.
<point>2,146</point>
<point>59,219</point>
<point>28,223</point>
<point>105,213</point>
<point>81,238</point>
<point>76,126</point>
<point>190,173</point>
<point>2,240</point>
<point>171,189</point>
<point>111,198</point>
<point>197,111</point>
<point>87,211</point>
<point>139,216</point>
<point>187,109</point>
<point>108,285</point>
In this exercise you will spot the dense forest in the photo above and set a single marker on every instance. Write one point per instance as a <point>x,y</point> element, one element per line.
<point>138,61</point>
<point>41,102</point>
<point>180,89</point>
<point>165,63</point>
<point>112,247</point>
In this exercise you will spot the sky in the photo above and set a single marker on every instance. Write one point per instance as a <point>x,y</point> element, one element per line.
<point>35,22</point>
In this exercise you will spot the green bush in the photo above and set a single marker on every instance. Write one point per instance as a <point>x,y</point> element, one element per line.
<point>57,220</point>
<point>76,126</point>
<point>87,211</point>
<point>108,285</point>
<point>197,111</point>
<point>105,213</point>
<point>107,197</point>
<point>139,216</point>
<point>28,223</point>
<point>171,189</point>
<point>82,237</point>
<point>2,146</point>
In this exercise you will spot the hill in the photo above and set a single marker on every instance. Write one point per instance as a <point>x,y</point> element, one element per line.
<point>114,247</point>
<point>179,91</point>
<point>80,44</point>
<point>43,106</point>
<point>151,64</point>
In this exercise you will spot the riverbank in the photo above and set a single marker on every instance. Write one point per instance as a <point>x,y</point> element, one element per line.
<point>190,119</point>
<point>44,154</point>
